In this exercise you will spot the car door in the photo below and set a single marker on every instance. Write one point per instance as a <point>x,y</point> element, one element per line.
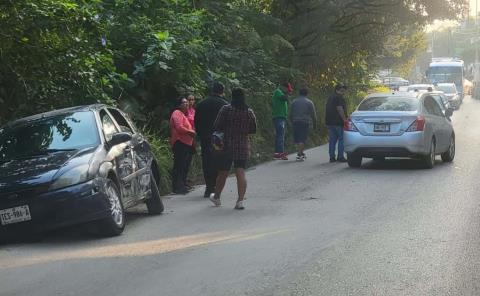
<point>121,155</point>
<point>438,122</point>
<point>141,156</point>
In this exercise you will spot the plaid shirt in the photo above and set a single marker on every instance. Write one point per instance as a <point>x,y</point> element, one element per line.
<point>236,124</point>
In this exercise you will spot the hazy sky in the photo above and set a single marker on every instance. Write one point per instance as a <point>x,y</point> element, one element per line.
<point>472,6</point>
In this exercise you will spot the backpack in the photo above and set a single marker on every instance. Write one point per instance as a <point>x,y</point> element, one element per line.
<point>217,141</point>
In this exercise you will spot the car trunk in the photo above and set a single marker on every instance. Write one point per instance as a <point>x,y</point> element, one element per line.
<point>383,123</point>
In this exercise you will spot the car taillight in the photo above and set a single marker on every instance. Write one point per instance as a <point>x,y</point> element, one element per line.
<point>349,126</point>
<point>418,125</point>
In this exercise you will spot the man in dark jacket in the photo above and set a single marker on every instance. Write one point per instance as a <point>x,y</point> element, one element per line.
<point>335,117</point>
<point>206,113</point>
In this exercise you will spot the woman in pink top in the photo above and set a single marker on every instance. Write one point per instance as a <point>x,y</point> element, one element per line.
<point>191,110</point>
<point>182,135</point>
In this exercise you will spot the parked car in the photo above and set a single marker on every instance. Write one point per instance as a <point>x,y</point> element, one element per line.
<point>442,100</point>
<point>451,93</point>
<point>399,125</point>
<point>421,87</point>
<point>395,82</point>
<point>72,166</point>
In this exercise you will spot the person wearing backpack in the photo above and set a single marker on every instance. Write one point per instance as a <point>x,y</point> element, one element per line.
<point>234,123</point>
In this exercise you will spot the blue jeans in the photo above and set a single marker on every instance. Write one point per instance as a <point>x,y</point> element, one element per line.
<point>279,124</point>
<point>335,134</point>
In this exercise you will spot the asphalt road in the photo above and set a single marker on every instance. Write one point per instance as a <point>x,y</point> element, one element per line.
<point>311,228</point>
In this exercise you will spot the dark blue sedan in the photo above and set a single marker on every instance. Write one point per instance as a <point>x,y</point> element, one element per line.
<point>72,166</point>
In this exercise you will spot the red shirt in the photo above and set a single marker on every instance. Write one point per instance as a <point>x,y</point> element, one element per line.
<point>180,127</point>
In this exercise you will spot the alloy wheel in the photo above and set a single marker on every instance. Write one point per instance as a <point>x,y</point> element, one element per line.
<point>116,209</point>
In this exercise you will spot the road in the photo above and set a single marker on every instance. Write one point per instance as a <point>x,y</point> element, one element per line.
<point>310,228</point>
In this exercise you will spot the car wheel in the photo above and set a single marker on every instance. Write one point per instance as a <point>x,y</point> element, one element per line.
<point>429,159</point>
<point>115,223</point>
<point>354,160</point>
<point>450,154</point>
<point>154,203</point>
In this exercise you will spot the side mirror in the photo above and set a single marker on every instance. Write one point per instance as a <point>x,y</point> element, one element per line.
<point>449,112</point>
<point>119,138</point>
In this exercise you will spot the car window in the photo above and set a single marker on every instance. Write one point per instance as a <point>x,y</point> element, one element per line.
<point>108,126</point>
<point>448,89</point>
<point>432,106</point>
<point>125,126</point>
<point>440,101</point>
<point>386,103</point>
<point>61,132</point>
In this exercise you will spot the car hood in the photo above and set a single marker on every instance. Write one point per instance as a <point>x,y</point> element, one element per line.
<point>22,174</point>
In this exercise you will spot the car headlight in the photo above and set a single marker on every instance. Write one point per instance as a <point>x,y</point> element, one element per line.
<point>76,175</point>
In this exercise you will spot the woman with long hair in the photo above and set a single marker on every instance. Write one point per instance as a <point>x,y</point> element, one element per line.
<point>182,135</point>
<point>236,121</point>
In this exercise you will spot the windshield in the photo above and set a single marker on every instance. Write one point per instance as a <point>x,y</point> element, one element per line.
<point>389,104</point>
<point>65,132</point>
<point>448,89</point>
<point>445,74</point>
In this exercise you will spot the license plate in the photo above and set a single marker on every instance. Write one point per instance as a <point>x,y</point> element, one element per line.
<point>15,215</point>
<point>381,128</point>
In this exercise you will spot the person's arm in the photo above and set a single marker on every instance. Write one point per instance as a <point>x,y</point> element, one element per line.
<point>313,114</point>
<point>219,124</point>
<point>198,120</point>
<point>252,122</point>
<point>341,111</point>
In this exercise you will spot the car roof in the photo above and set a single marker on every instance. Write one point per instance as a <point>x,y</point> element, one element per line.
<point>93,107</point>
<point>421,85</point>
<point>401,94</point>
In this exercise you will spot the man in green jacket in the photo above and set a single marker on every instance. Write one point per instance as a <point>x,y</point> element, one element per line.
<point>280,115</point>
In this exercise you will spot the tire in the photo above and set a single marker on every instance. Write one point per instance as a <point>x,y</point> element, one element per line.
<point>429,159</point>
<point>154,203</point>
<point>115,223</point>
<point>449,155</point>
<point>354,160</point>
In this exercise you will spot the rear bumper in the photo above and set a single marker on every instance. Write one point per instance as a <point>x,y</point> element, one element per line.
<point>406,145</point>
<point>68,206</point>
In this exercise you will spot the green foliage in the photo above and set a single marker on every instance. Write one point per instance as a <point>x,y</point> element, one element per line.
<point>142,54</point>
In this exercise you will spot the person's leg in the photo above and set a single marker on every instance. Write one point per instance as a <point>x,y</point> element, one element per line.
<point>224,165</point>
<point>188,163</point>
<point>220,184</point>
<point>332,142</point>
<point>179,160</point>
<point>279,124</point>
<point>341,154</point>
<point>241,183</point>
<point>207,159</point>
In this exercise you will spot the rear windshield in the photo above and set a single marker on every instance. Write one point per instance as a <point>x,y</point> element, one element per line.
<point>389,104</point>
<point>418,87</point>
<point>448,89</point>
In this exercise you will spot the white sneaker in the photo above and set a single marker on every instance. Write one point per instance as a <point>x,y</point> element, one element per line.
<point>240,205</point>
<point>215,201</point>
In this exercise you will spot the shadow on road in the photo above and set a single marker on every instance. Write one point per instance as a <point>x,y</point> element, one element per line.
<point>396,164</point>
<point>79,233</point>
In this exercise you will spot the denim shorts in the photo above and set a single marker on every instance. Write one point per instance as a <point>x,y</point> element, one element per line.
<point>300,132</point>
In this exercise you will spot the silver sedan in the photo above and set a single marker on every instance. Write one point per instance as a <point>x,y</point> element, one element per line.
<point>399,125</point>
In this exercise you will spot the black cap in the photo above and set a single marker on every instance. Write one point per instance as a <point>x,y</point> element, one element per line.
<point>340,86</point>
<point>218,88</point>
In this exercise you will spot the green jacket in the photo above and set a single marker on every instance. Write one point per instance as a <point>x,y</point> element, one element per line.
<point>279,104</point>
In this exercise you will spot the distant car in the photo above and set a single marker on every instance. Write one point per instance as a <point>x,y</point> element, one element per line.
<point>451,92</point>
<point>442,100</point>
<point>395,82</point>
<point>421,87</point>
<point>73,166</point>
<point>399,125</point>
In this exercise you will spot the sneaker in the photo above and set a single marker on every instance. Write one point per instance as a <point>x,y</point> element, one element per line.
<point>277,156</point>
<point>343,159</point>
<point>215,201</point>
<point>240,205</point>
<point>300,158</point>
<point>284,156</point>
<point>332,160</point>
